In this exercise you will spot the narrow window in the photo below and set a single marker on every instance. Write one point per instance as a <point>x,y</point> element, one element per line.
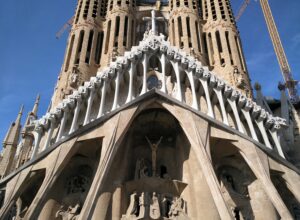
<point>79,47</point>
<point>211,50</point>
<point>177,3</point>
<point>69,53</point>
<point>125,31</point>
<point>180,34</point>
<point>99,47</point>
<point>89,47</point>
<point>213,10</point>
<point>132,33</point>
<point>117,30</point>
<point>103,9</point>
<point>107,36</point>
<point>188,27</point>
<point>220,49</point>
<point>95,9</point>
<point>205,43</point>
<point>78,12</point>
<point>186,3</point>
<point>200,9</point>
<point>198,36</point>
<point>219,42</point>
<point>240,52</point>
<point>206,9</point>
<point>173,32</point>
<point>228,45</point>
<point>111,3</point>
<point>86,9</point>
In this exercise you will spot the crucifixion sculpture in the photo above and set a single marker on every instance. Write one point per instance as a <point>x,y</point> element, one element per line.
<point>154,147</point>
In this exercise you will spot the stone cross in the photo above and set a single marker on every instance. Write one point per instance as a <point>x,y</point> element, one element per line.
<point>153,20</point>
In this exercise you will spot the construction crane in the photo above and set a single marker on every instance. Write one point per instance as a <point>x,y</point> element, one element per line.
<point>67,25</point>
<point>242,9</point>
<point>290,83</point>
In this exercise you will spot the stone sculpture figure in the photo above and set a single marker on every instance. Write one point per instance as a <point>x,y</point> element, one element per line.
<point>70,214</point>
<point>154,207</point>
<point>141,169</point>
<point>154,147</point>
<point>177,209</point>
<point>133,206</point>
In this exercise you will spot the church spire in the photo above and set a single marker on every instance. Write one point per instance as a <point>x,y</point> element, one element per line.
<point>33,114</point>
<point>15,124</point>
<point>36,105</point>
<point>10,144</point>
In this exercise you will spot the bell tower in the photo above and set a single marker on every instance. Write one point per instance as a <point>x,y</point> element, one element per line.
<point>83,52</point>
<point>185,27</point>
<point>223,45</point>
<point>119,29</point>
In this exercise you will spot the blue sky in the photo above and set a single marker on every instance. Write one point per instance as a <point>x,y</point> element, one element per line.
<point>31,56</point>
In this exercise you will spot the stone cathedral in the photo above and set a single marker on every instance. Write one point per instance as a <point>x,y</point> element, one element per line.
<point>153,117</point>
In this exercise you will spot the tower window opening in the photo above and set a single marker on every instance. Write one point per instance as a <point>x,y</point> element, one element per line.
<point>111,3</point>
<point>229,47</point>
<point>173,32</point>
<point>95,9</point>
<point>180,33</point>
<point>240,52</point>
<point>99,47</point>
<point>205,43</point>
<point>119,2</point>
<point>220,49</point>
<point>103,8</point>
<point>200,9</point>
<point>78,12</point>
<point>188,26</point>
<point>117,31</point>
<point>125,31</point>
<point>127,2</point>
<point>211,50</point>
<point>189,31</point>
<point>132,33</point>
<point>213,9</point>
<point>206,9</point>
<point>177,3</point>
<point>107,37</point>
<point>186,3</point>
<point>230,11</point>
<point>86,9</point>
<point>69,52</point>
<point>79,47</point>
<point>221,6</point>
<point>89,47</point>
<point>219,41</point>
<point>171,4</point>
<point>198,36</point>
<point>194,4</point>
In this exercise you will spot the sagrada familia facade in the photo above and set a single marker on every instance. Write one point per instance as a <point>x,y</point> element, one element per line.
<point>153,117</point>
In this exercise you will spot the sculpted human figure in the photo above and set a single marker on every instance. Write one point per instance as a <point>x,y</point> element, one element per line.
<point>154,207</point>
<point>154,147</point>
<point>70,214</point>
